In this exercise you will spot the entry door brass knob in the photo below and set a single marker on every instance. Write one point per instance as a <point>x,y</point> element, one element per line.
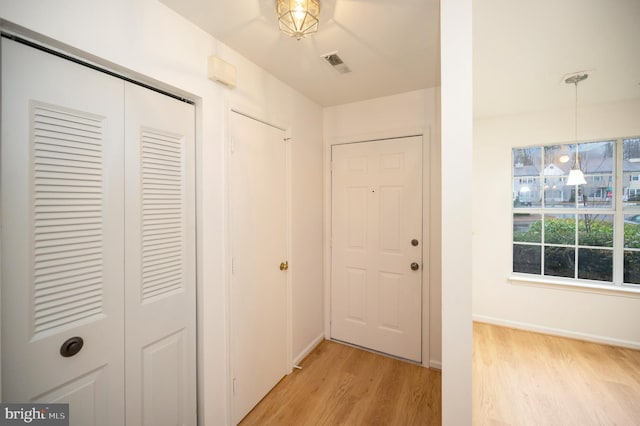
<point>284,265</point>
<point>415,266</point>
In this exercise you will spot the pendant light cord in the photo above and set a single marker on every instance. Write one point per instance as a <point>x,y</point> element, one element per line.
<point>575,79</point>
<point>575,128</point>
<point>576,177</point>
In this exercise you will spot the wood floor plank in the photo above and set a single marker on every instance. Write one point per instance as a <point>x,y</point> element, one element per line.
<point>525,378</point>
<point>342,385</point>
<point>519,378</point>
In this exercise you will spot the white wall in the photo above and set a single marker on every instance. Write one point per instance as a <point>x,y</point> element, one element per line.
<point>145,39</point>
<point>456,74</point>
<point>392,116</point>
<point>600,317</point>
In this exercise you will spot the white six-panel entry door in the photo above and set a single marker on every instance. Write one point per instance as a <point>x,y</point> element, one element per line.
<point>98,244</point>
<point>376,245</point>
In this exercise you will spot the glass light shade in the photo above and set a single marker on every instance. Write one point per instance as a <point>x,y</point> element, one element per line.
<point>297,18</point>
<point>576,177</point>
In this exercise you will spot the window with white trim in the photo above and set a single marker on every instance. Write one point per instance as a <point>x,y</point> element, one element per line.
<point>580,233</point>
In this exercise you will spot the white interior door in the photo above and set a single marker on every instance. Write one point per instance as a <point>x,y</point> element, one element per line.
<point>376,270</point>
<point>257,233</point>
<point>160,285</point>
<point>62,239</point>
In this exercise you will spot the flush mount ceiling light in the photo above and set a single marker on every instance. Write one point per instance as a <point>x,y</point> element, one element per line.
<point>576,177</point>
<point>297,18</point>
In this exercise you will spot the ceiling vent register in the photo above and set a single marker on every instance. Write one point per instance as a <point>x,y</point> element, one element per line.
<point>336,62</point>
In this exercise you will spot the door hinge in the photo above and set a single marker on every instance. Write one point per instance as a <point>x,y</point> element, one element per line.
<point>232,146</point>
<point>233,265</point>
<point>234,387</point>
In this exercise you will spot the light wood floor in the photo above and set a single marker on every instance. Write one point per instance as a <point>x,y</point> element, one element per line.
<point>524,378</point>
<point>519,378</point>
<point>341,385</point>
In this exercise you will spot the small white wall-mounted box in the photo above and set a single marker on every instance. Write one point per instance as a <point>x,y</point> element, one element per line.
<point>222,72</point>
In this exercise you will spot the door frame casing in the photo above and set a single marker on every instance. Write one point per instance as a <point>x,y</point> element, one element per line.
<point>247,111</point>
<point>426,134</point>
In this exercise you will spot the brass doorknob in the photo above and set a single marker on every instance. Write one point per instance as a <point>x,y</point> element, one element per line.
<point>415,266</point>
<point>284,265</point>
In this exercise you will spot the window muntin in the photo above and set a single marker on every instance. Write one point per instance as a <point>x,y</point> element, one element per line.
<point>631,199</point>
<point>595,230</point>
<point>631,172</point>
<point>578,232</point>
<point>527,259</point>
<point>527,228</point>
<point>559,261</point>
<point>597,161</point>
<point>527,183</point>
<point>632,267</point>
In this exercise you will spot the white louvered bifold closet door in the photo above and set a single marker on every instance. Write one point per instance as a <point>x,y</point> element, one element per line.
<point>97,192</point>
<point>62,240</point>
<point>160,266</point>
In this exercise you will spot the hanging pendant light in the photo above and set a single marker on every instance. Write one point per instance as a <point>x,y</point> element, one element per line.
<point>576,177</point>
<point>297,18</point>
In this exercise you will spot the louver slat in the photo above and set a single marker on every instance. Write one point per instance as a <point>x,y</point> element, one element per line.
<point>67,217</point>
<point>163,238</point>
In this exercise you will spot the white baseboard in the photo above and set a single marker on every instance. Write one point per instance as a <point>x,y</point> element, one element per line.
<point>558,332</point>
<point>436,365</point>
<point>306,351</point>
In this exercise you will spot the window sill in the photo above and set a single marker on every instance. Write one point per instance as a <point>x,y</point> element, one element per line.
<point>580,286</point>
